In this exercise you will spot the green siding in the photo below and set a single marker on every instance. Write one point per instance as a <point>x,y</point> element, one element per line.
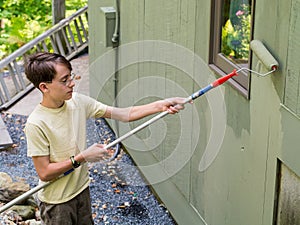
<point>239,187</point>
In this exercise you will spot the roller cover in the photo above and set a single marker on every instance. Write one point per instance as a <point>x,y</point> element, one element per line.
<point>263,55</point>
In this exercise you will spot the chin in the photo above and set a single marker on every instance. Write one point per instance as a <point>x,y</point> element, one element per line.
<point>69,96</point>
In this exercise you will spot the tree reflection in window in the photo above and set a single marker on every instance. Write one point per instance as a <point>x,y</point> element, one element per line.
<point>236,26</point>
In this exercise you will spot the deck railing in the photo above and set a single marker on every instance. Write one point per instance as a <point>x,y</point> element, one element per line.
<point>69,37</point>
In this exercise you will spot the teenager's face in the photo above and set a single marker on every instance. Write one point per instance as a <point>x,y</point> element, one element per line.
<point>61,87</point>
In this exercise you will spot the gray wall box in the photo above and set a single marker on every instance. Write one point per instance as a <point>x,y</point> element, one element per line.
<point>109,19</point>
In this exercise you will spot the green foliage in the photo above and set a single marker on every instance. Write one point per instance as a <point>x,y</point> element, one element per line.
<point>228,35</point>
<point>23,20</point>
<point>75,4</point>
<point>236,34</point>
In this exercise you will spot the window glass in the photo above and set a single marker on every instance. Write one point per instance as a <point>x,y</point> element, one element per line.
<point>236,26</point>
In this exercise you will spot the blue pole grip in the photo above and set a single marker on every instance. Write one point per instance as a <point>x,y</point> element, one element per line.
<point>68,172</point>
<point>201,92</point>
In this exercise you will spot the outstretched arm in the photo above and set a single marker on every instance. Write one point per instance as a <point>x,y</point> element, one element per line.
<point>172,105</point>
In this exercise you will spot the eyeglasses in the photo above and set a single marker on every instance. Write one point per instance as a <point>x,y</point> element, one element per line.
<point>66,81</point>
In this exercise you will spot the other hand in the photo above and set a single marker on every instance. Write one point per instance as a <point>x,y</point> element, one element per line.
<point>173,105</point>
<point>95,153</point>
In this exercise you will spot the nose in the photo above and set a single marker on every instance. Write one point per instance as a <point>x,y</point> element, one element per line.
<point>72,83</point>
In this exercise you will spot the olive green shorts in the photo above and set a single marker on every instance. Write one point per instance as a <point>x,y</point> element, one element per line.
<point>74,212</point>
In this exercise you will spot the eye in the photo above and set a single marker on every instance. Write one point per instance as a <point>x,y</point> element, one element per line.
<point>64,80</point>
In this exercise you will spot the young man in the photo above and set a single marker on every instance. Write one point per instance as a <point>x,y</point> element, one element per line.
<point>56,137</point>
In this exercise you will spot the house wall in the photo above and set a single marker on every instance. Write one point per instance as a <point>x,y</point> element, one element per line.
<point>199,181</point>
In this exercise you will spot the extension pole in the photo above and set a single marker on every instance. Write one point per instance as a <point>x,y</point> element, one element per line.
<point>23,197</point>
<point>29,193</point>
<point>125,136</point>
<point>163,114</point>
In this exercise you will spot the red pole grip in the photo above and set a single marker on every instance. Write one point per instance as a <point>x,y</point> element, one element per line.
<point>225,78</point>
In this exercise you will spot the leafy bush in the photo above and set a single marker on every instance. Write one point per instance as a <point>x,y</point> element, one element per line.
<point>23,20</point>
<point>236,34</point>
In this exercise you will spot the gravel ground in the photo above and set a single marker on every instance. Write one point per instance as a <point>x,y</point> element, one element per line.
<point>119,193</point>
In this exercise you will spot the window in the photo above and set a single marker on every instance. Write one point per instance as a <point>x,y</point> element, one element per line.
<point>231,32</point>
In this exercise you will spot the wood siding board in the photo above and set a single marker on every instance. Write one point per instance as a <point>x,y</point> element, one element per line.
<point>201,129</point>
<point>292,98</point>
<point>182,178</point>
<point>289,154</point>
<point>291,90</point>
<point>200,30</point>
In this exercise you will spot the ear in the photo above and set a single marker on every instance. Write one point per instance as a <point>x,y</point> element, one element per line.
<point>43,87</point>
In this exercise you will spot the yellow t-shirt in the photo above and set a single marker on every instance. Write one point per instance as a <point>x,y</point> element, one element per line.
<point>61,133</point>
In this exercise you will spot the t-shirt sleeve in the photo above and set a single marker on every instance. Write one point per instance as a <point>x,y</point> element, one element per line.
<point>94,108</point>
<point>100,109</point>
<point>37,143</point>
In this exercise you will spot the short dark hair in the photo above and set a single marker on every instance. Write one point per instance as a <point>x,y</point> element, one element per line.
<point>40,67</point>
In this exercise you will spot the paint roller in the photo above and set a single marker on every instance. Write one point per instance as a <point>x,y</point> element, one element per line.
<point>264,56</point>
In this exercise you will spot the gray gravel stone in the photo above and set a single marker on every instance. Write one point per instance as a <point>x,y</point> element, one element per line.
<point>116,197</point>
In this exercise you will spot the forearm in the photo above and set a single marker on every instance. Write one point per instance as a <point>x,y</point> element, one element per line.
<point>48,171</point>
<point>172,105</point>
<point>134,112</point>
<point>54,170</point>
<point>138,112</point>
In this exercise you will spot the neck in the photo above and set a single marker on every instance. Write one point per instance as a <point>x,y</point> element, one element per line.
<point>52,104</point>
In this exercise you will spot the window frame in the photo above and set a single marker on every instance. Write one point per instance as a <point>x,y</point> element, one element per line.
<point>217,61</point>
